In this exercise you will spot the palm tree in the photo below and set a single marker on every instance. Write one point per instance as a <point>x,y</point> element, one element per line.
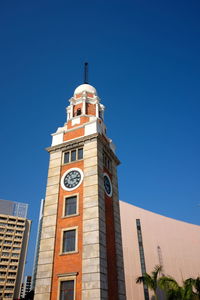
<point>151,281</point>
<point>174,291</point>
<point>195,283</point>
<point>197,287</point>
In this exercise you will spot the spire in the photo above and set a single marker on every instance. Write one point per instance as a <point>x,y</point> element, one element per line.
<point>86,73</point>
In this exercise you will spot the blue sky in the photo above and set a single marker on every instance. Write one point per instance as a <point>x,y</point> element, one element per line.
<point>144,61</point>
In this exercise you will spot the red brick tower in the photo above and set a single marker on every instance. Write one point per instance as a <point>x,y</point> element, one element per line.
<point>81,249</point>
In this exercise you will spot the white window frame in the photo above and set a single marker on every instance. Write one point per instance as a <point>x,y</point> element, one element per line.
<point>67,278</point>
<point>70,151</point>
<point>76,240</point>
<point>77,205</point>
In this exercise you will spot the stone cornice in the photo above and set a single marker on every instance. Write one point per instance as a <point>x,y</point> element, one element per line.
<point>68,274</point>
<point>72,143</point>
<point>78,142</point>
<point>108,149</point>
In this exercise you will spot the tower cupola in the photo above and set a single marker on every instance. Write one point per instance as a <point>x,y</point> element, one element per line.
<point>87,88</point>
<point>85,102</point>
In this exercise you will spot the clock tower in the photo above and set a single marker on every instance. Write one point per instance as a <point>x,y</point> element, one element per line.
<point>80,254</point>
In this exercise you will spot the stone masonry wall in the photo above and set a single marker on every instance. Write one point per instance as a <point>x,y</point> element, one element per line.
<point>94,268</point>
<point>47,243</point>
<point>118,237</point>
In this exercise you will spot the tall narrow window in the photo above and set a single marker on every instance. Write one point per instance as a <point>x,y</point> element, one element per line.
<point>70,206</point>
<point>100,115</point>
<point>142,258</point>
<point>73,155</point>
<point>80,153</point>
<point>107,162</point>
<point>67,290</point>
<point>69,241</point>
<point>66,157</point>
<point>78,112</point>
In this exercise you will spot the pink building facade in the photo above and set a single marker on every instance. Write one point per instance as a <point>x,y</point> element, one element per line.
<point>150,239</point>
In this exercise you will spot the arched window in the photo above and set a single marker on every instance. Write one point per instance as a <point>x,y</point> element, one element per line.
<point>78,112</point>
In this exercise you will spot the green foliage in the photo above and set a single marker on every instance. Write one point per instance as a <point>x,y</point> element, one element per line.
<point>190,289</point>
<point>195,285</point>
<point>174,290</point>
<point>151,281</point>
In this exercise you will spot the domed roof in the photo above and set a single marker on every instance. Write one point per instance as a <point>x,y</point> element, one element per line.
<point>85,88</point>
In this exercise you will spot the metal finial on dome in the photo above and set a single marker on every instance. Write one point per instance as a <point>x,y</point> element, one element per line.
<point>86,73</point>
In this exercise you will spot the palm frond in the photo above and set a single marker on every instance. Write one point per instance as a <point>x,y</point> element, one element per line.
<point>146,280</point>
<point>197,286</point>
<point>157,270</point>
<point>168,283</point>
<point>194,285</point>
<point>140,279</point>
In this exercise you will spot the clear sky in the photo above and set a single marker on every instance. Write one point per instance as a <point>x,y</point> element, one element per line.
<point>144,60</point>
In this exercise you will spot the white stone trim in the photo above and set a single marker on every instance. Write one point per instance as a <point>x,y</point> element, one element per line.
<point>76,120</point>
<point>90,128</point>
<point>77,205</point>
<point>57,138</point>
<point>66,278</point>
<point>76,240</point>
<point>71,113</point>
<point>84,106</point>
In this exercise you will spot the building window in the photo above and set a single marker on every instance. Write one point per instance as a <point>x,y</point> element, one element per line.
<point>100,114</point>
<point>70,206</point>
<point>67,290</point>
<point>107,162</point>
<point>69,240</point>
<point>20,221</point>
<point>66,157</point>
<point>78,112</point>
<point>12,220</point>
<point>16,248</point>
<point>5,254</point>
<point>73,155</point>
<point>8,295</point>
<point>142,257</point>
<point>80,153</point>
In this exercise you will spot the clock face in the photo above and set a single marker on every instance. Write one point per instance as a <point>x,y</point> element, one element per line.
<point>72,179</point>
<point>107,185</point>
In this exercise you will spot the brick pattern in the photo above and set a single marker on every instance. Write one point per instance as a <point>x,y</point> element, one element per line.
<point>91,109</point>
<point>79,132</point>
<point>90,263</point>
<point>72,262</point>
<point>83,120</point>
<point>47,242</point>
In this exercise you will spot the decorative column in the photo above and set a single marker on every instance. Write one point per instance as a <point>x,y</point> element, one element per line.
<point>84,106</point>
<point>97,110</point>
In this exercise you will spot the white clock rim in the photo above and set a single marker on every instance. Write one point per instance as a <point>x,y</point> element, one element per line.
<point>111,190</point>
<point>62,179</point>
